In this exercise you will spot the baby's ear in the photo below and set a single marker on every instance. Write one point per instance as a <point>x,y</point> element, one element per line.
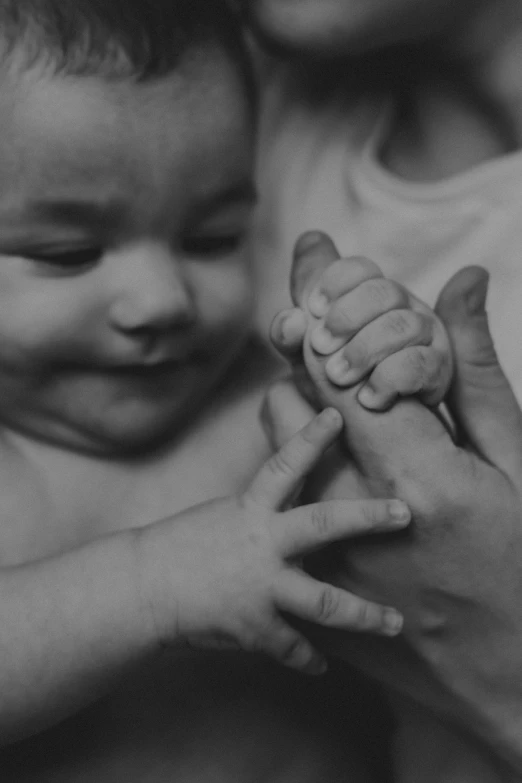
<point>313,253</point>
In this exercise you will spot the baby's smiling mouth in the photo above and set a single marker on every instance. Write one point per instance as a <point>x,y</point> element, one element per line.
<point>152,369</point>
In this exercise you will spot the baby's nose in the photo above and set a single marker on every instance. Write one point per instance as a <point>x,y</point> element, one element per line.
<point>153,293</point>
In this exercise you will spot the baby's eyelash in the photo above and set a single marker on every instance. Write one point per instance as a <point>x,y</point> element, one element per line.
<point>213,245</point>
<point>68,259</point>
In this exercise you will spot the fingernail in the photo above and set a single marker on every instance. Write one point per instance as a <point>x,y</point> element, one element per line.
<point>399,512</point>
<point>282,329</point>
<point>290,326</point>
<point>338,369</point>
<point>393,622</point>
<point>368,398</point>
<point>318,303</point>
<point>307,241</point>
<point>323,341</point>
<point>332,417</point>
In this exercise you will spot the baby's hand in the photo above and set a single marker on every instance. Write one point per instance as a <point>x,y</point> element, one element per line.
<point>374,329</point>
<point>227,572</point>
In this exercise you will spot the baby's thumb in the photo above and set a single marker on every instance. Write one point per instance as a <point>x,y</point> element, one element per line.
<point>481,398</point>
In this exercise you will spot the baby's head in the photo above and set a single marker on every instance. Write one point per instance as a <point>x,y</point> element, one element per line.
<point>333,27</point>
<point>126,140</point>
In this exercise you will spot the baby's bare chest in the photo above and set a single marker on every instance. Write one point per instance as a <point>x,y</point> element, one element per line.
<point>51,500</point>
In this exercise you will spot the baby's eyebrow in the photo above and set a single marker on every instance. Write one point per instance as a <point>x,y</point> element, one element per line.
<point>76,211</point>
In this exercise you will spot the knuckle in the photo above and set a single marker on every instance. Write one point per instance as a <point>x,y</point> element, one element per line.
<point>321,519</point>
<point>418,364</point>
<point>404,324</point>
<point>363,615</point>
<point>281,463</point>
<point>386,294</point>
<point>365,267</point>
<point>339,270</point>
<point>373,514</point>
<point>350,272</point>
<point>327,604</point>
<point>340,319</point>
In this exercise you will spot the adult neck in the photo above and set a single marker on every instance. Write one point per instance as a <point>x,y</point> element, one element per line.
<point>489,45</point>
<point>464,104</point>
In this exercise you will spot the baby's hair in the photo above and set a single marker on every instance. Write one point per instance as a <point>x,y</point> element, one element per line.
<point>138,39</point>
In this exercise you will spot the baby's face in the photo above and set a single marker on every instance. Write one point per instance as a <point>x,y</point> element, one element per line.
<point>124,287</point>
<point>352,26</point>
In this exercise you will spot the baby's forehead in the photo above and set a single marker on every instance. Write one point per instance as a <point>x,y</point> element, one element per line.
<point>88,133</point>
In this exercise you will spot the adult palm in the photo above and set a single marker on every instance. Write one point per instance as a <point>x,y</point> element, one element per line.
<point>457,573</point>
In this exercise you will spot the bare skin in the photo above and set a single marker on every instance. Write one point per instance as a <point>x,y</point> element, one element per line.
<point>451,662</point>
<point>185,714</point>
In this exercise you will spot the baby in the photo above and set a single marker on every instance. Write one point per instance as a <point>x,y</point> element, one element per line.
<point>129,389</point>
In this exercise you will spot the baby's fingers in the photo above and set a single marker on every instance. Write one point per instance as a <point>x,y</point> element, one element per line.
<point>311,527</point>
<point>282,474</point>
<point>324,604</point>
<point>287,333</point>
<point>355,310</point>
<point>383,337</point>
<point>290,648</point>
<point>418,370</point>
<point>339,278</point>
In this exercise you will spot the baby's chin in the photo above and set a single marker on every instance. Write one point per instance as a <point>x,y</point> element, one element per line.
<point>128,435</point>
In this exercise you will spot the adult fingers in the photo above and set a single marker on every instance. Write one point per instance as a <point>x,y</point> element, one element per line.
<point>313,253</point>
<point>481,399</point>
<point>311,527</point>
<point>331,606</point>
<point>278,478</point>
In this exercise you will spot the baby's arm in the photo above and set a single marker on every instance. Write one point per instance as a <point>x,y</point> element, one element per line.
<point>220,573</point>
<point>376,333</point>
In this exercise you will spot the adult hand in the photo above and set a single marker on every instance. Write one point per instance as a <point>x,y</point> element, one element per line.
<point>457,575</point>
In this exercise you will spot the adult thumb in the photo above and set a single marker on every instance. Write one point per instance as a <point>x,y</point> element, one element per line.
<point>314,251</point>
<point>481,399</point>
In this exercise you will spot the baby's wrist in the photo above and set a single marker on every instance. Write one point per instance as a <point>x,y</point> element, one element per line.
<point>149,588</point>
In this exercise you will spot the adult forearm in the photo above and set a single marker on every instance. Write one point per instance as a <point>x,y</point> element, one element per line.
<point>69,626</point>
